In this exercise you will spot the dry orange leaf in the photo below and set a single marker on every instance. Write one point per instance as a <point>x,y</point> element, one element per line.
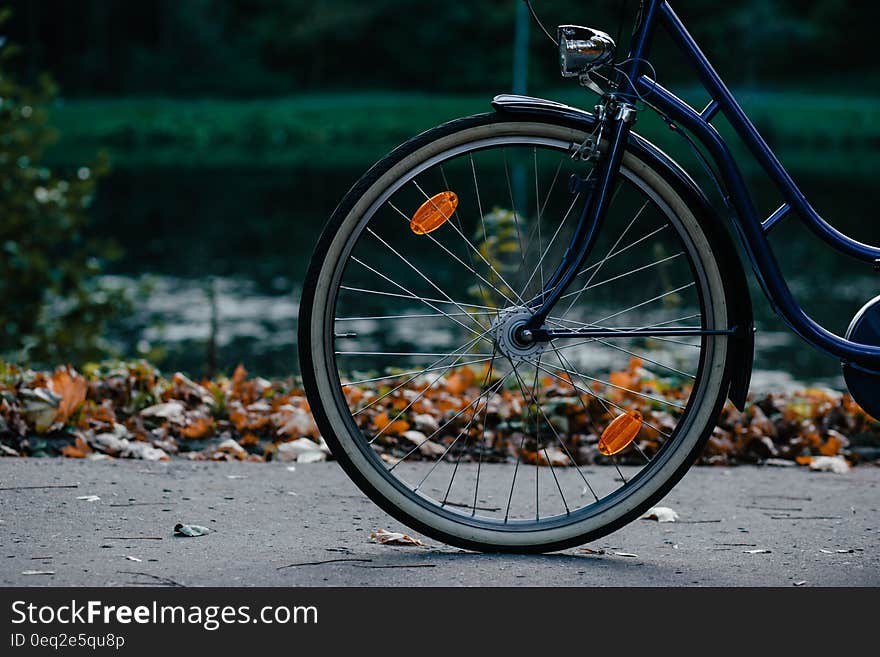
<point>103,413</point>
<point>79,450</point>
<point>459,381</point>
<point>248,439</point>
<point>620,433</point>
<point>72,388</point>
<point>238,418</point>
<point>621,379</point>
<point>831,447</point>
<point>239,375</point>
<point>397,427</point>
<point>381,420</point>
<point>201,427</point>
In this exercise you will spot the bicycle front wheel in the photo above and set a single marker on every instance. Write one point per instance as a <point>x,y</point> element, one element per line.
<point>425,396</point>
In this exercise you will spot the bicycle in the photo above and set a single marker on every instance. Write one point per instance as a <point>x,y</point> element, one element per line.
<point>605,317</point>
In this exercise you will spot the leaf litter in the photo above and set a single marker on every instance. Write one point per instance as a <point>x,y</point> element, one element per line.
<point>131,410</point>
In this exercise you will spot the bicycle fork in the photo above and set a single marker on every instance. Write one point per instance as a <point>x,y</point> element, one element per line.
<point>616,119</point>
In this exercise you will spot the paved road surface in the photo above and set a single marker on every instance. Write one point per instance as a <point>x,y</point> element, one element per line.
<point>821,529</point>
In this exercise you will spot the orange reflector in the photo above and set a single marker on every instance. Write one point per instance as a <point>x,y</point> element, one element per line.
<point>433,213</point>
<point>620,433</point>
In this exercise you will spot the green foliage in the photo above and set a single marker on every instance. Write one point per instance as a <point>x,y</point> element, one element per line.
<point>53,307</point>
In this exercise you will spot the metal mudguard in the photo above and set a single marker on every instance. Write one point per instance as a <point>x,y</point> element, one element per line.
<point>741,356</point>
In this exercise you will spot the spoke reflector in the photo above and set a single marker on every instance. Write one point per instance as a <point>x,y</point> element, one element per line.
<point>620,433</point>
<point>433,213</point>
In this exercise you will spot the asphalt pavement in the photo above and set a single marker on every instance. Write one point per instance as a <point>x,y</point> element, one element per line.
<point>281,524</point>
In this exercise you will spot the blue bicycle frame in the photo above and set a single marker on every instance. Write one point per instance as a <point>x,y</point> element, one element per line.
<point>748,225</point>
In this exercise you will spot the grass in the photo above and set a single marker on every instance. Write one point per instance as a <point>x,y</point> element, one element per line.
<point>812,132</point>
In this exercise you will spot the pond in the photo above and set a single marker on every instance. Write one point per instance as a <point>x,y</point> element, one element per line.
<point>224,253</point>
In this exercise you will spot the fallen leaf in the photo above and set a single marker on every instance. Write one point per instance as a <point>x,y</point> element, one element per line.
<point>825,551</point>
<point>661,514</point>
<point>302,450</point>
<point>138,450</point>
<point>201,427</point>
<point>190,531</point>
<point>835,464</point>
<point>459,381</point>
<point>846,551</point>
<point>88,498</point>
<point>587,550</point>
<point>130,558</point>
<point>626,554</point>
<point>173,411</point>
<point>800,583</point>
<point>72,388</point>
<point>40,407</point>
<point>37,572</point>
<point>79,450</point>
<point>758,551</point>
<point>393,538</point>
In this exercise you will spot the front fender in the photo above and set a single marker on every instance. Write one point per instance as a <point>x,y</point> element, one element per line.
<point>741,356</point>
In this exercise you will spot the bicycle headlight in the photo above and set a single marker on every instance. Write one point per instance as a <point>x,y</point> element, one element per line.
<point>582,49</point>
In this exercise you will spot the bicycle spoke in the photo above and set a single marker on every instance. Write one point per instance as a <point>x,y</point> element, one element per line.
<point>607,256</point>
<point>423,300</point>
<point>600,397</point>
<point>470,246</point>
<point>486,379</point>
<point>513,209</point>
<point>623,250</point>
<point>608,384</point>
<point>565,362</point>
<point>416,372</point>
<point>550,244</point>
<point>415,399</point>
<point>645,303</point>
<point>457,221</point>
<point>416,298</point>
<point>417,271</point>
<point>465,347</point>
<point>619,276</point>
<point>477,192</point>
<point>491,389</point>
<point>563,445</point>
<point>456,258</point>
<point>411,316</point>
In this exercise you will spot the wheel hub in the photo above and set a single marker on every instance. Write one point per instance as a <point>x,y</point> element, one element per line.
<point>512,338</point>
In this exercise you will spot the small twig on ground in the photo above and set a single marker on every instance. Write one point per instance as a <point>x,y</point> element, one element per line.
<point>413,565</point>
<point>45,486</point>
<point>164,580</point>
<point>318,563</point>
<point>143,504</point>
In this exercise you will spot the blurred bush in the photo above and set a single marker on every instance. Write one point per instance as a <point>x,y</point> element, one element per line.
<point>53,306</point>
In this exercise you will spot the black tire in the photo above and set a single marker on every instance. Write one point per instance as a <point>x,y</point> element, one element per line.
<point>362,463</point>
